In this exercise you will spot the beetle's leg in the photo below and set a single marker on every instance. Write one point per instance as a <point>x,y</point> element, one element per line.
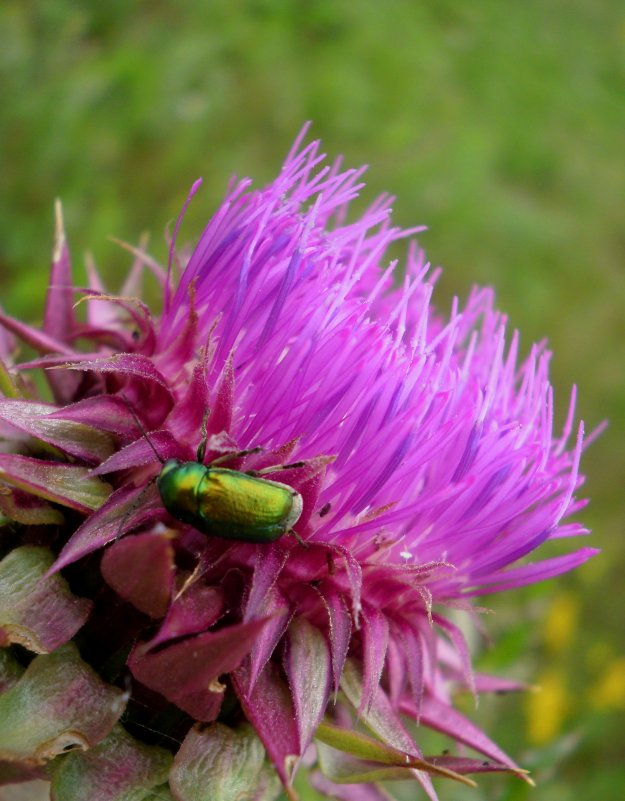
<point>201,448</point>
<point>234,455</point>
<point>294,533</point>
<point>275,468</point>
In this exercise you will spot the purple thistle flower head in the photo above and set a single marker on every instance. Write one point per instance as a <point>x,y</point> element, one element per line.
<point>343,464</point>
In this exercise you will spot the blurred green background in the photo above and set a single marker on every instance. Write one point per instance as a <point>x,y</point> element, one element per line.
<point>500,125</point>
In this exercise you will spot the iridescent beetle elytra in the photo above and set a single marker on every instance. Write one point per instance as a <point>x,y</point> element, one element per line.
<point>227,503</point>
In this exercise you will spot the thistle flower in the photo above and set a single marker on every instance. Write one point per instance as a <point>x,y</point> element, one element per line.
<point>192,655</point>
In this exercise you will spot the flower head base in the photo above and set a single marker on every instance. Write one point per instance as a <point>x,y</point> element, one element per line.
<point>353,462</point>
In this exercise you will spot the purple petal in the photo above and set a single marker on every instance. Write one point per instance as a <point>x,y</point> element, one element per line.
<point>142,452</point>
<point>140,569</point>
<point>353,573</point>
<point>495,684</point>
<point>59,319</point>
<point>340,629</point>
<point>276,606</point>
<point>269,709</point>
<point>144,336</point>
<point>193,611</point>
<point>127,508</point>
<point>220,418</point>
<point>268,565</point>
<point>462,649</point>
<point>532,572</point>
<point>446,719</point>
<point>150,390</point>
<point>186,672</point>
<point>307,666</point>
<point>38,340</point>
<point>185,419</point>
<point>413,650</point>
<point>374,633</point>
<point>105,412</point>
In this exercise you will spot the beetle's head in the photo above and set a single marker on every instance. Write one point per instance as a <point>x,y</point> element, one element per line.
<point>168,468</point>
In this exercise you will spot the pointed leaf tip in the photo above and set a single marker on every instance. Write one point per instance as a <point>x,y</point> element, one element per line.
<point>343,768</point>
<point>366,750</point>
<point>269,708</point>
<point>307,665</point>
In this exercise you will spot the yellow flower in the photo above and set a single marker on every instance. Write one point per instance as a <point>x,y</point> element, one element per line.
<point>609,690</point>
<point>546,708</point>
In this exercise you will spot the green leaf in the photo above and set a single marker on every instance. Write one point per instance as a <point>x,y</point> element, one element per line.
<point>359,745</point>
<point>369,753</point>
<point>161,793</point>
<point>466,765</point>
<point>383,721</point>
<point>45,422</point>
<point>10,670</point>
<point>8,387</point>
<point>216,763</point>
<point>18,773</point>
<point>380,718</point>
<point>118,769</point>
<point>58,704</point>
<point>307,664</point>
<point>37,612</point>
<point>268,786</point>
<point>345,769</point>
<point>66,484</point>
<point>21,507</point>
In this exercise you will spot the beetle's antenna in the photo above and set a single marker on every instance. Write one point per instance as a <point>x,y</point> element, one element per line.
<point>135,505</point>
<point>235,455</point>
<point>274,468</point>
<point>139,425</point>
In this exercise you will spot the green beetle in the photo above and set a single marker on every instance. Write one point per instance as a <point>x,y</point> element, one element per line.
<point>227,503</point>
